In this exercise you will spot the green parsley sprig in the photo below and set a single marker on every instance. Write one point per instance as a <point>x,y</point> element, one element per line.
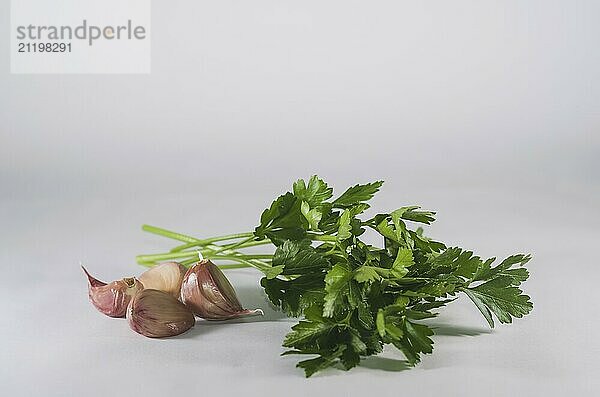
<point>353,298</point>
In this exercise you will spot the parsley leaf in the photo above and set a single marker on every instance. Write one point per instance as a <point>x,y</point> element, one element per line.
<point>345,228</point>
<point>313,216</point>
<point>404,259</point>
<point>357,194</point>
<point>294,296</point>
<point>498,296</point>
<point>298,257</point>
<point>315,193</point>
<point>337,288</point>
<point>414,341</point>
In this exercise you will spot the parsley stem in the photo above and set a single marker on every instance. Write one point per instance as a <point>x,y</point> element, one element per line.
<point>234,266</point>
<point>188,262</point>
<point>247,242</point>
<point>251,243</point>
<point>322,237</point>
<point>257,264</point>
<point>234,245</point>
<point>230,257</point>
<point>167,233</point>
<point>208,254</point>
<point>189,239</point>
<point>165,257</point>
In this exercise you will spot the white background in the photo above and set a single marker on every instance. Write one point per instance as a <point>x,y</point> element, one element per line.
<point>488,112</point>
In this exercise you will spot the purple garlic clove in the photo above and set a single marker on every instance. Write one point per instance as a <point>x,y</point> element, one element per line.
<point>166,277</point>
<point>208,293</point>
<point>112,299</point>
<point>157,314</point>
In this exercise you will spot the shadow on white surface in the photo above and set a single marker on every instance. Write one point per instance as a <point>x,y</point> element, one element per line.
<point>457,330</point>
<point>255,298</point>
<point>385,364</point>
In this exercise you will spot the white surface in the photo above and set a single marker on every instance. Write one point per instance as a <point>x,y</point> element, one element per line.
<point>55,343</point>
<point>485,111</point>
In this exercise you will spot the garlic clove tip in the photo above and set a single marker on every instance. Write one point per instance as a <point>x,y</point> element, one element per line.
<point>112,298</point>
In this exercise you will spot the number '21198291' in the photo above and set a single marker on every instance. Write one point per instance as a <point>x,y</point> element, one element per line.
<point>44,47</point>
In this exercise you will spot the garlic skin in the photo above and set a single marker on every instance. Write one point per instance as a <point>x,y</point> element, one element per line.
<point>112,299</point>
<point>166,277</point>
<point>208,293</point>
<point>157,314</point>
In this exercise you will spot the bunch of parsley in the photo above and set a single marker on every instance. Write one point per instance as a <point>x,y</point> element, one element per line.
<point>353,298</point>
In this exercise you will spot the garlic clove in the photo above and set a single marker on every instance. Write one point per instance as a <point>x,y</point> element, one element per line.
<point>112,298</point>
<point>157,314</point>
<point>166,277</point>
<point>208,293</point>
